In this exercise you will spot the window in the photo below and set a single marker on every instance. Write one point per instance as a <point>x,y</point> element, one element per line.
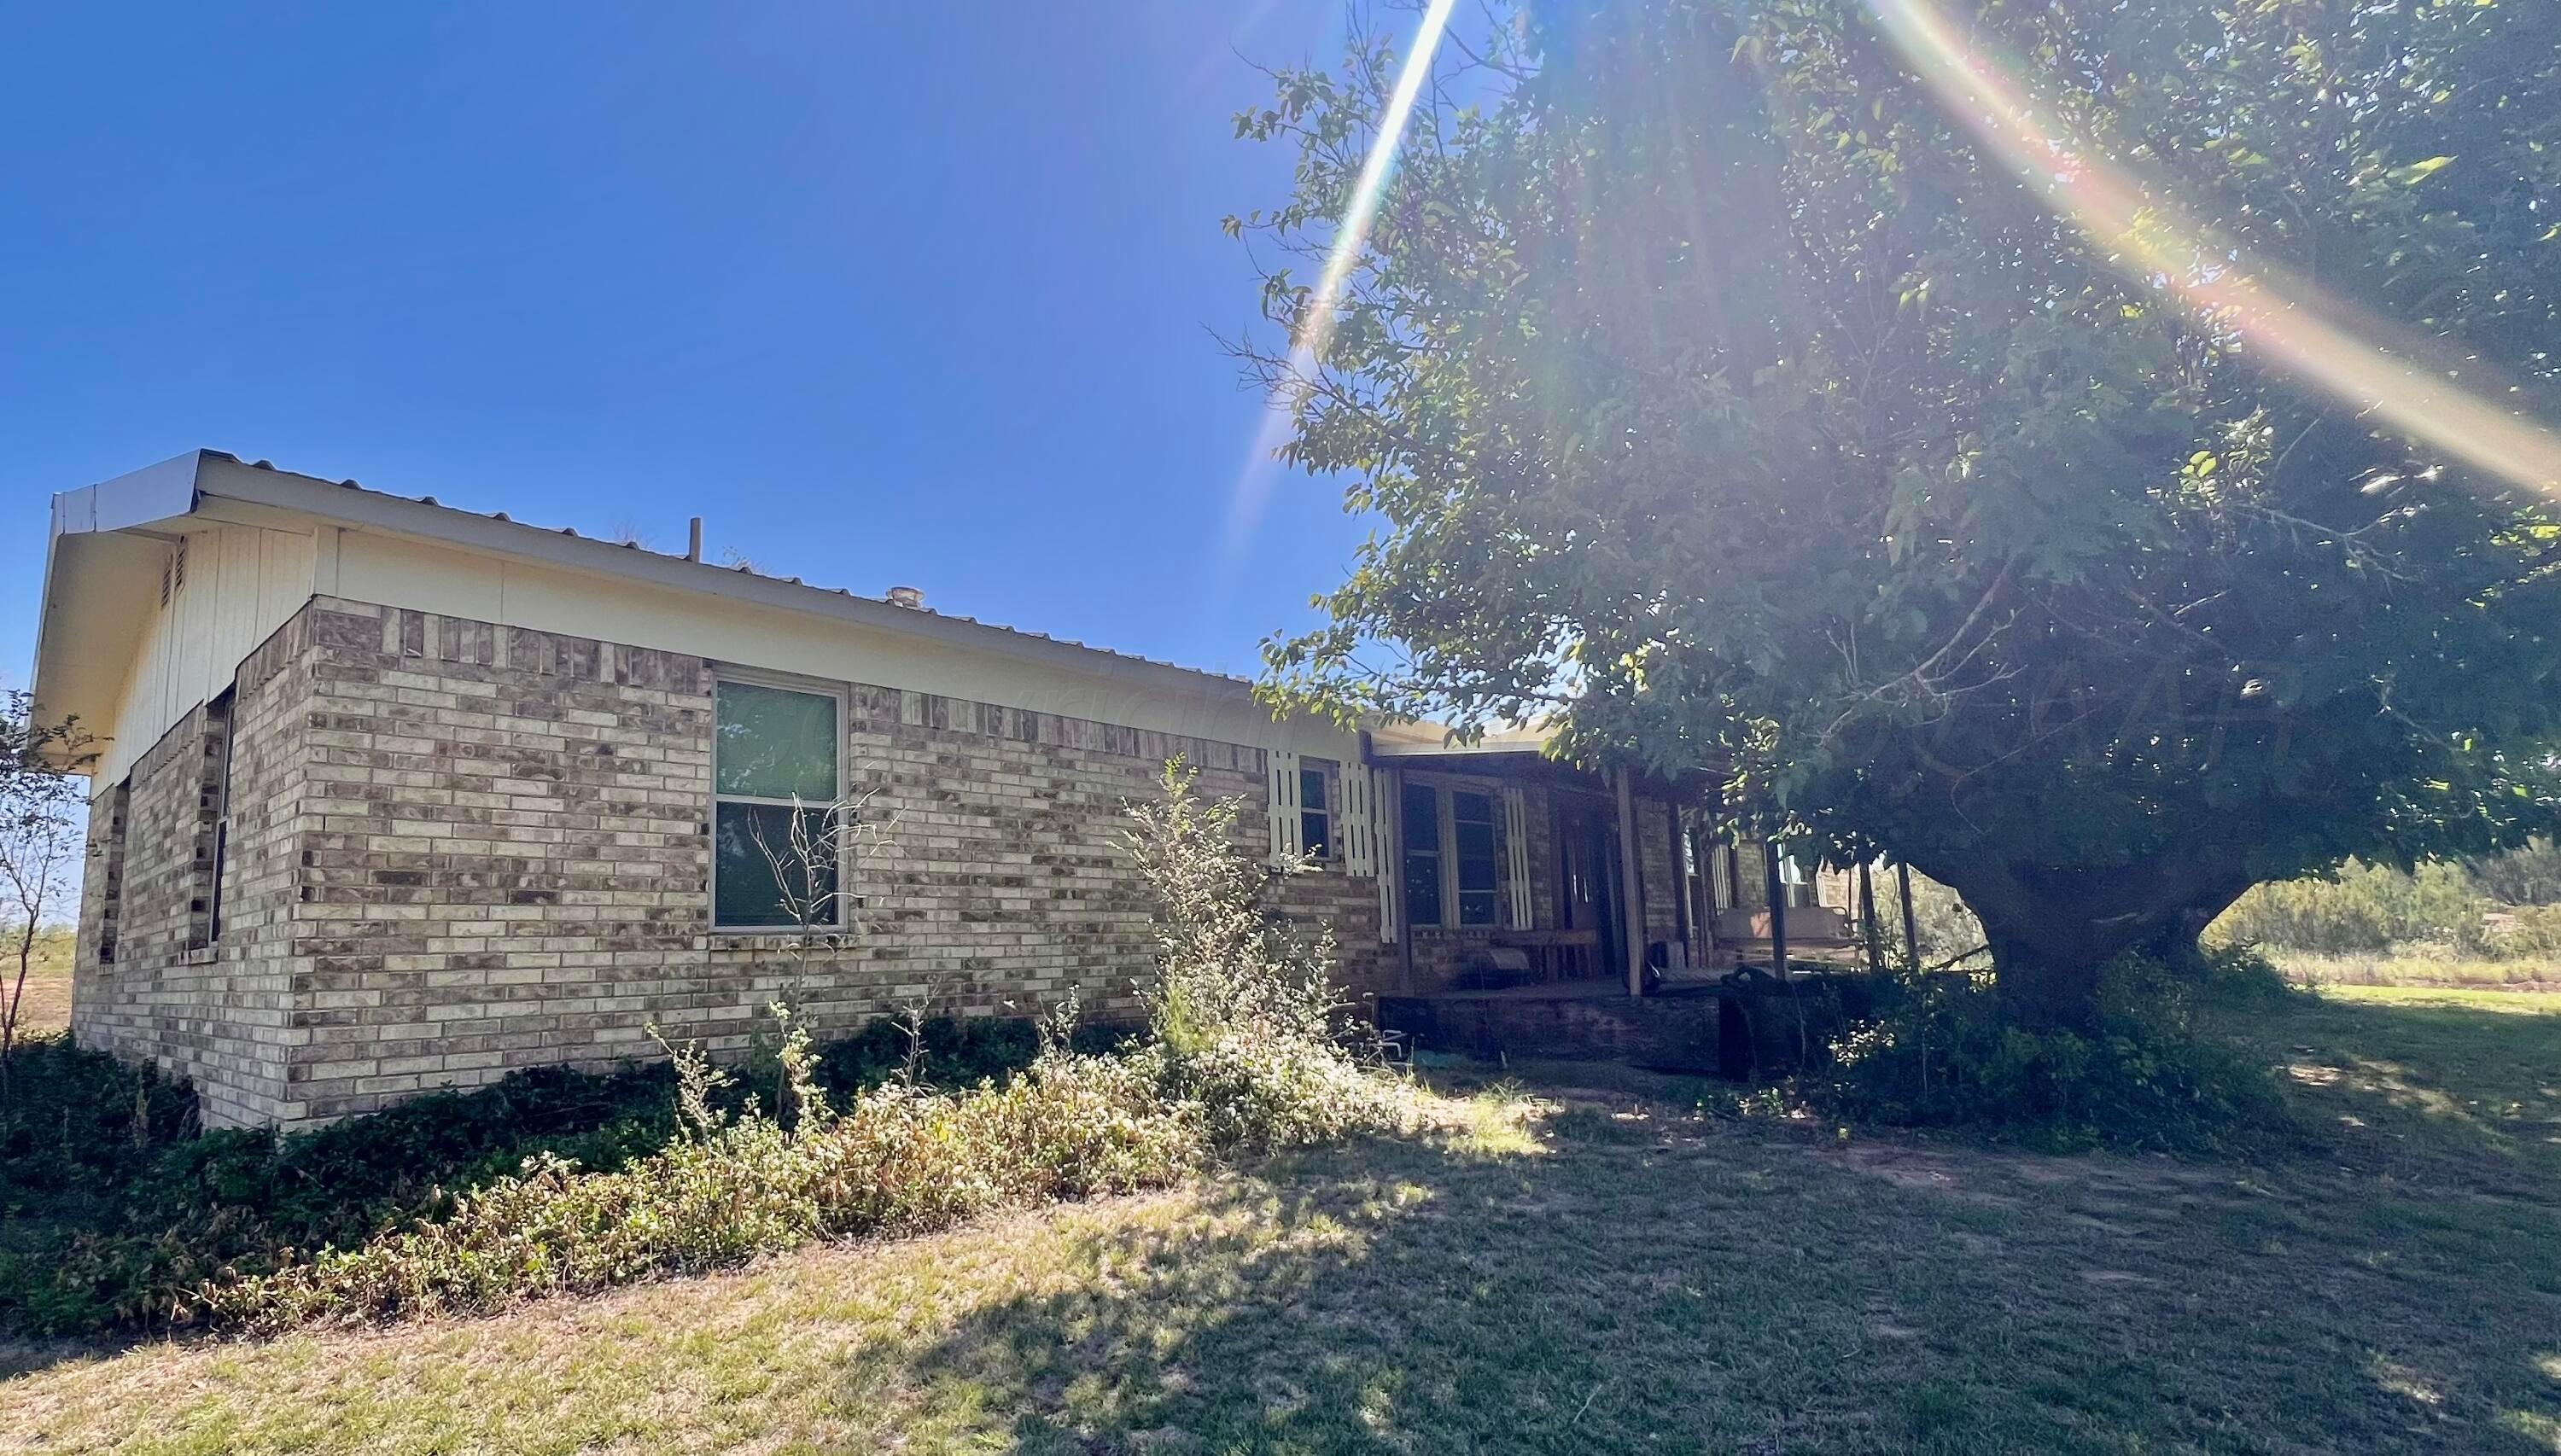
<point>1422,821</point>
<point>219,715</point>
<point>776,777</point>
<point>1471,823</point>
<point>1315,812</point>
<point>1452,860</point>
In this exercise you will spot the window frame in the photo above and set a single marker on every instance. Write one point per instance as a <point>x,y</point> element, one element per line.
<point>837,693</point>
<point>1437,853</point>
<point>1327,776</point>
<point>1451,903</point>
<point>1454,884</point>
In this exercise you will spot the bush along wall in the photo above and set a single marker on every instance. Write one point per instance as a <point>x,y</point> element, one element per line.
<point>559,1182</point>
<point>116,1207</point>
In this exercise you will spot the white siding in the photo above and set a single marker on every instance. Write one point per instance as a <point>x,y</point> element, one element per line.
<point>241,584</point>
<point>394,570</point>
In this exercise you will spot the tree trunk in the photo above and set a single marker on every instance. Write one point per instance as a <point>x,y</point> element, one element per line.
<point>2051,934</point>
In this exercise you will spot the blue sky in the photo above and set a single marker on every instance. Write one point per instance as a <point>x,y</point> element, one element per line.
<point>887,296</point>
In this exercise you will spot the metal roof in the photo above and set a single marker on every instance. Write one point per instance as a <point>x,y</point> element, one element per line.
<point>173,487</point>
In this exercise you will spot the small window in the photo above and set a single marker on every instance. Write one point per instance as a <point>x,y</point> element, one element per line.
<point>1421,812</point>
<point>220,715</point>
<point>1471,826</point>
<point>776,781</point>
<point>1316,813</point>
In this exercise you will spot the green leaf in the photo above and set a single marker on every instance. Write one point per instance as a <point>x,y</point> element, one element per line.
<point>2418,172</point>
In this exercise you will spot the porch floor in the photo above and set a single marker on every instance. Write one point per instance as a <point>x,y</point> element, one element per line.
<point>1678,1028</point>
<point>1594,988</point>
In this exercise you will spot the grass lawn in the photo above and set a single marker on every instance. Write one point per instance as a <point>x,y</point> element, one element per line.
<point>1590,1266</point>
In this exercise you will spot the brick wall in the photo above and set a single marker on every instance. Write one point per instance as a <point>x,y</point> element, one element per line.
<point>152,982</point>
<point>457,847</point>
<point>505,861</point>
<point>510,854</point>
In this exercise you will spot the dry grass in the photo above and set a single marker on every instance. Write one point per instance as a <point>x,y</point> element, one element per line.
<point>47,1005</point>
<point>1596,1268</point>
<point>2415,966</point>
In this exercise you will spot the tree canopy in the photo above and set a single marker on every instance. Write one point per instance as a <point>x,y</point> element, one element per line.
<point>1973,454</point>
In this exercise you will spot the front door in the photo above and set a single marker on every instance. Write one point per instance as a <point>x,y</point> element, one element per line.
<point>1588,895</point>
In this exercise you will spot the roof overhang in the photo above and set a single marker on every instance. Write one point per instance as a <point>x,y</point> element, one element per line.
<point>106,543</point>
<point>346,504</point>
<point>1432,741</point>
<point>107,540</point>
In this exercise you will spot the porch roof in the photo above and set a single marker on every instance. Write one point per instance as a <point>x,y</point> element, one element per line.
<point>1515,754</point>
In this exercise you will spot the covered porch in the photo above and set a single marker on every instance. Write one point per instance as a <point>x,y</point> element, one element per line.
<point>1532,909</point>
<point>1505,868</point>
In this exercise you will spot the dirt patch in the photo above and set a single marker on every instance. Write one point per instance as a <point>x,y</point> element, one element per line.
<point>1956,1176</point>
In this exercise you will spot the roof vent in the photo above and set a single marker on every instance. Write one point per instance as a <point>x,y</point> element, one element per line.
<point>907,596</point>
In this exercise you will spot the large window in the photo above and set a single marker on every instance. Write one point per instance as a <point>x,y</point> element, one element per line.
<point>1422,824</point>
<point>1472,820</point>
<point>777,777</point>
<point>1453,862</point>
<point>1316,811</point>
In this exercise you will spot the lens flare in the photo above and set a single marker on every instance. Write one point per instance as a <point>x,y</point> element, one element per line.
<point>2279,317</point>
<point>1253,486</point>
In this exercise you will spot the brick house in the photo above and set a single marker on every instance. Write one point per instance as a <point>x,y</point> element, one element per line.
<point>389,796</point>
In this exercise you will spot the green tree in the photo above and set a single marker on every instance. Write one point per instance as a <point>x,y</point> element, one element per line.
<point>1724,397</point>
<point>40,844</point>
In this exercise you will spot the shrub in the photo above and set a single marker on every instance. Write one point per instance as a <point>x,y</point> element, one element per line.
<point>119,1208</point>
<point>2363,908</point>
<point>1248,1026</point>
<point>2532,932</point>
<point>568,1183</point>
<point>74,1121</point>
<point>1941,1055</point>
<point>899,1159</point>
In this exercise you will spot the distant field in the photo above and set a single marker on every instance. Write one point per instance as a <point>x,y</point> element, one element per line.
<point>2510,1001</point>
<point>2416,969</point>
<point>47,1007</point>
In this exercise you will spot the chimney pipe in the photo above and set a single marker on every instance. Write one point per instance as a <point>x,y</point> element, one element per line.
<point>694,541</point>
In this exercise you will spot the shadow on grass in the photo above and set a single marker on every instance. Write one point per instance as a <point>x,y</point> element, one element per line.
<point>2461,1093</point>
<point>1633,1276</point>
<point>1656,1280</point>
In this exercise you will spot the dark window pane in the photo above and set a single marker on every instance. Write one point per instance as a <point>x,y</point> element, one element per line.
<point>1421,817</point>
<point>1422,890</point>
<point>1311,790</point>
<point>751,843</point>
<point>1472,823</point>
<point>775,743</point>
<point>1316,835</point>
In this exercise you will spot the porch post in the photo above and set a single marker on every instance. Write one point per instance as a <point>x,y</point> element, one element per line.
<point>1778,891</point>
<point>1632,892</point>
<point>1680,886</point>
<point>1910,924</point>
<point>1703,854</point>
<point>1867,917</point>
